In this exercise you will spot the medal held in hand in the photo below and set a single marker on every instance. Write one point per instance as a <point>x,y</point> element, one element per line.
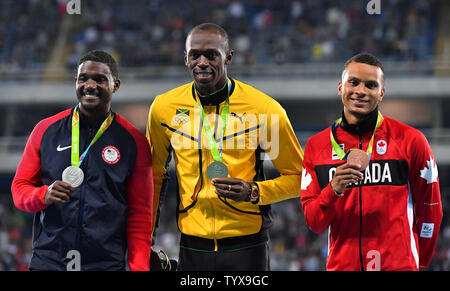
<point>73,174</point>
<point>216,169</point>
<point>358,157</point>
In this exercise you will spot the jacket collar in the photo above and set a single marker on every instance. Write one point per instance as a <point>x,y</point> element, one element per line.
<point>85,123</point>
<point>217,98</point>
<point>362,127</point>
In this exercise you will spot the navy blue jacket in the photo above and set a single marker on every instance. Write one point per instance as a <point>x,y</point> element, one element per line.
<point>110,212</point>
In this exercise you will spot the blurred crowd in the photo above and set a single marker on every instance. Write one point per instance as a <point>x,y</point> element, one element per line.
<point>15,237</point>
<point>152,32</point>
<point>262,32</point>
<point>28,29</point>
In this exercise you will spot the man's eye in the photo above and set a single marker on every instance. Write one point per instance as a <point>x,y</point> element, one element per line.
<point>354,82</point>
<point>210,55</point>
<point>371,85</point>
<point>99,79</point>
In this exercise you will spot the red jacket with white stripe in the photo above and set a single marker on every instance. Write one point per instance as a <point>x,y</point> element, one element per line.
<point>389,221</point>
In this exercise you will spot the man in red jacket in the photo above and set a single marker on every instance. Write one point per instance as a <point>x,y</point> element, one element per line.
<point>86,174</point>
<point>383,213</point>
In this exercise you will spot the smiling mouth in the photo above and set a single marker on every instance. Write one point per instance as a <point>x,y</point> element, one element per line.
<point>89,95</point>
<point>90,98</point>
<point>357,101</point>
<point>203,74</point>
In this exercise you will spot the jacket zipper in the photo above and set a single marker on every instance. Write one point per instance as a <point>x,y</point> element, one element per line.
<point>360,216</point>
<point>82,196</point>
<point>209,189</point>
<point>213,214</point>
<point>216,124</point>
<point>80,218</point>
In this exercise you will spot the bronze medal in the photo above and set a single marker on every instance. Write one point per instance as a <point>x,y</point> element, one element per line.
<point>358,157</point>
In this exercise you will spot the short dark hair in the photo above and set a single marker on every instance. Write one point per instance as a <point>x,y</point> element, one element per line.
<point>365,58</point>
<point>101,57</point>
<point>214,27</point>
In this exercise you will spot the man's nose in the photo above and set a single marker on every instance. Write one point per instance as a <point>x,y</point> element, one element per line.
<point>361,89</point>
<point>90,84</point>
<point>202,61</point>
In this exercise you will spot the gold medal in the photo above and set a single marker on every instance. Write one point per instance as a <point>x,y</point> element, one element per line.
<point>217,170</point>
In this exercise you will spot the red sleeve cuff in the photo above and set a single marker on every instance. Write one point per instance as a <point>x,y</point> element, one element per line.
<point>328,196</point>
<point>140,260</point>
<point>41,195</point>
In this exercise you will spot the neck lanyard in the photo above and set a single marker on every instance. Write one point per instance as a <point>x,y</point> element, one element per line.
<point>215,151</point>
<point>75,159</point>
<point>337,149</point>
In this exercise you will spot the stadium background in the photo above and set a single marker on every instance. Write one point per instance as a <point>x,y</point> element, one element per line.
<point>292,50</point>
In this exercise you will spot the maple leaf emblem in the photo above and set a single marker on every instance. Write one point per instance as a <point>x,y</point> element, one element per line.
<point>430,171</point>
<point>306,179</point>
<point>381,143</point>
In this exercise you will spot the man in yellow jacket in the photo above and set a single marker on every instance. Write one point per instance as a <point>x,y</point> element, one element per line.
<point>220,131</point>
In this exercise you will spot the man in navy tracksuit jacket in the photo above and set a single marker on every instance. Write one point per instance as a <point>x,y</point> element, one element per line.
<point>89,227</point>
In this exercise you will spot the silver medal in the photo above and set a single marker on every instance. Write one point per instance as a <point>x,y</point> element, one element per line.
<point>73,175</point>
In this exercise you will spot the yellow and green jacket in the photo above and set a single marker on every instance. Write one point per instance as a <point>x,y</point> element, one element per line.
<point>257,129</point>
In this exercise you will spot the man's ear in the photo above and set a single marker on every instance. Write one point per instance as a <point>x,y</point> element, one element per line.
<point>116,85</point>
<point>340,88</point>
<point>229,57</point>
<point>185,59</point>
<point>383,90</point>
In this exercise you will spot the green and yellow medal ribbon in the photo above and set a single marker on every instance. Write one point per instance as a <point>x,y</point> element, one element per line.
<point>215,151</point>
<point>338,150</point>
<point>75,158</point>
